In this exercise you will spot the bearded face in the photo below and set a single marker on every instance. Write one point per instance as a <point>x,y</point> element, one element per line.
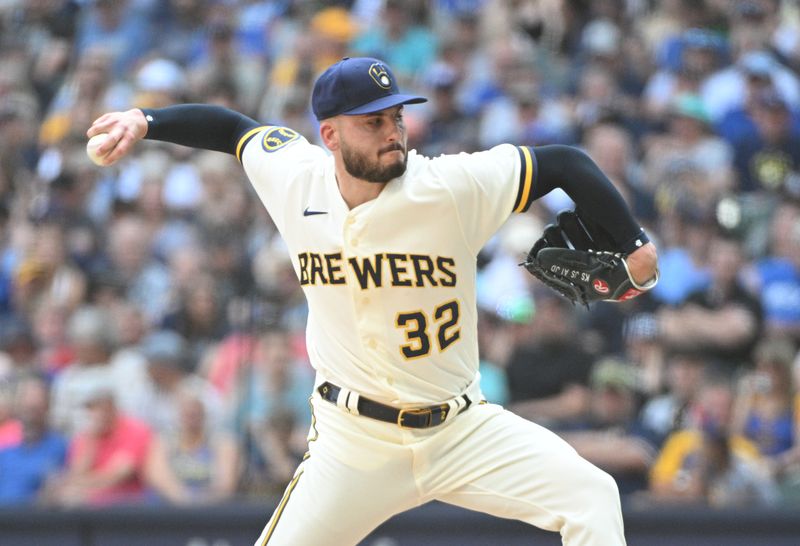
<point>389,163</point>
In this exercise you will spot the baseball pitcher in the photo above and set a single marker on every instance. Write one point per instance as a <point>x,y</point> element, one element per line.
<point>384,242</point>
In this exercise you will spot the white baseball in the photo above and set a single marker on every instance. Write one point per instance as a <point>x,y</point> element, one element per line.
<point>91,149</point>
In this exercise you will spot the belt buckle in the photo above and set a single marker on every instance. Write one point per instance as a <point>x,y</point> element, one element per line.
<point>423,411</point>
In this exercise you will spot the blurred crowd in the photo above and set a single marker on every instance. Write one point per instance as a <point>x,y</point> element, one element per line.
<point>151,324</point>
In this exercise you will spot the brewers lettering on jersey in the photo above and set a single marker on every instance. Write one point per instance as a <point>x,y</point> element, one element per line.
<point>384,243</point>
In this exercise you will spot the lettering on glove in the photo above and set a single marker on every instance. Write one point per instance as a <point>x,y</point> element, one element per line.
<point>580,263</point>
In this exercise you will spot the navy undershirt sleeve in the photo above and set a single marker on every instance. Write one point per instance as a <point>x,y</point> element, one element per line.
<point>203,126</point>
<point>594,195</point>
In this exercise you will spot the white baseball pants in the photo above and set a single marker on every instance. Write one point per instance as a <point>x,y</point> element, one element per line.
<point>360,472</point>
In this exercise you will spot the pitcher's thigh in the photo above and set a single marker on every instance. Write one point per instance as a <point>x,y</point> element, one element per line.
<point>336,504</point>
<point>516,469</point>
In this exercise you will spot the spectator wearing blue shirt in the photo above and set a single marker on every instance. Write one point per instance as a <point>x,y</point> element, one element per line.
<point>683,264</point>
<point>118,27</point>
<point>759,76</point>
<point>26,468</point>
<point>776,277</point>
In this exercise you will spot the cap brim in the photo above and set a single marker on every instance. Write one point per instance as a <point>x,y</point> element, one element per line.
<point>385,102</point>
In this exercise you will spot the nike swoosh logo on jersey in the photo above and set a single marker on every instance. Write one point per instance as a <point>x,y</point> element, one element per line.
<point>312,212</point>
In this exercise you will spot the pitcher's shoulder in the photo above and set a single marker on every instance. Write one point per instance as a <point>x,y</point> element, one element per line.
<point>273,143</point>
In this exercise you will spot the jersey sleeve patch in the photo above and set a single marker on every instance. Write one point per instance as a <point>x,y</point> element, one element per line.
<point>245,139</point>
<point>527,174</point>
<point>278,137</point>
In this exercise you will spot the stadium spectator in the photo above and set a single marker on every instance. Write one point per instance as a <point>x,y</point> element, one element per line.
<point>399,40</point>
<point>764,410</point>
<point>183,31</point>
<point>737,123</point>
<point>275,381</point>
<point>612,436</point>
<point>224,202</point>
<point>776,276</point>
<point>229,266</point>
<point>10,427</point>
<point>689,139</point>
<point>159,82</point>
<point>62,281</point>
<point>769,156</point>
<point>699,56</point>
<point>599,99</point>
<point>91,339</point>
<point>706,463</point>
<point>273,453</point>
<point>88,90</point>
<point>169,370</point>
<point>146,280</point>
<point>668,412</point>
<point>200,316</point>
<point>27,468</point>
<point>193,463</point>
<point>686,232</point>
<point>494,348</point>
<point>724,320</point>
<point>548,377</point>
<point>514,87</point>
<point>612,148</point>
<point>272,410</point>
<point>727,89</point>
<point>122,28</point>
<point>313,49</point>
<point>17,350</point>
<point>222,66</point>
<point>127,364</point>
<point>786,466</point>
<point>106,457</point>
<point>48,31</point>
<point>448,127</point>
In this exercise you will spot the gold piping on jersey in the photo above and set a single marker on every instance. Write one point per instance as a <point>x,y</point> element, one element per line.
<point>281,506</point>
<point>242,141</point>
<point>526,168</point>
<point>313,427</point>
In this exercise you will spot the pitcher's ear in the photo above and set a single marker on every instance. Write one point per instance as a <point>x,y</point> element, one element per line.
<point>329,132</point>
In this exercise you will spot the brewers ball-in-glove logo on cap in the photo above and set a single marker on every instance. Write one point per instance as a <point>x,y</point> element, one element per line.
<point>357,85</point>
<point>380,74</point>
<point>278,137</point>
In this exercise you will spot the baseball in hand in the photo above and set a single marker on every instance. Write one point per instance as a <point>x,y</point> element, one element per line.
<point>91,149</point>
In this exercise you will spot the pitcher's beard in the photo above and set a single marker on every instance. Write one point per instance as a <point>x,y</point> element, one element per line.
<point>359,166</point>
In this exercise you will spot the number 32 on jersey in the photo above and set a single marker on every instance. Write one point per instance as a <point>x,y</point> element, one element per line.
<point>415,324</point>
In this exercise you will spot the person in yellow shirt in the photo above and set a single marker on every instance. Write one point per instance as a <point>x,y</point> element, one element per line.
<point>705,463</point>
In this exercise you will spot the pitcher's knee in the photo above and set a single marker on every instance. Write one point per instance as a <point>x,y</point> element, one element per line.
<point>600,518</point>
<point>600,490</point>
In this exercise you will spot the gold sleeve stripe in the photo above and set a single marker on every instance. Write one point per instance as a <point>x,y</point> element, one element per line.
<point>242,141</point>
<point>279,511</point>
<point>525,180</point>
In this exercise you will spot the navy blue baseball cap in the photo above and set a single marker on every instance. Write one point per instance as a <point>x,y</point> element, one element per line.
<point>357,85</point>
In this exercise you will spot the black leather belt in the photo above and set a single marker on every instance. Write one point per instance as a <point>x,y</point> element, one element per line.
<point>430,416</point>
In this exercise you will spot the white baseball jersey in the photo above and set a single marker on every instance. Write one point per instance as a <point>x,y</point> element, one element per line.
<point>391,283</point>
<point>392,316</point>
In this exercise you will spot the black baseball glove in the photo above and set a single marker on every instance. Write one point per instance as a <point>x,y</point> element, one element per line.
<point>578,259</point>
